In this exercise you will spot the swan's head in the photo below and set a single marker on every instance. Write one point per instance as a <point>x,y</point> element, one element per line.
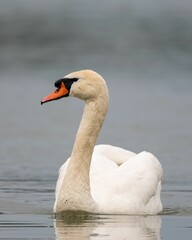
<point>85,84</point>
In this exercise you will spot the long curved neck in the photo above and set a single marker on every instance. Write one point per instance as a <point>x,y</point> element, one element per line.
<point>91,123</point>
<point>76,183</point>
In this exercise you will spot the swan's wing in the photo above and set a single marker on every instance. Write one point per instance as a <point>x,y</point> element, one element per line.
<point>116,154</point>
<point>140,181</point>
<point>141,174</point>
<point>132,187</point>
<point>61,176</point>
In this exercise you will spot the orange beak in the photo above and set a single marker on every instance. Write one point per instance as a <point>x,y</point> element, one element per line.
<point>58,93</point>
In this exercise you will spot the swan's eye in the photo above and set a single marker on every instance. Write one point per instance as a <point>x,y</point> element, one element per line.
<point>57,90</point>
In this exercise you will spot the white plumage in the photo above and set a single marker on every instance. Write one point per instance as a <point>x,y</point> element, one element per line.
<point>123,182</point>
<point>103,178</point>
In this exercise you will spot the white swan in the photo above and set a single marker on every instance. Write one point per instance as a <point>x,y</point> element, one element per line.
<point>103,179</point>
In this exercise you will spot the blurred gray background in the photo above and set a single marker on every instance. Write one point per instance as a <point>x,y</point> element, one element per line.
<point>144,38</point>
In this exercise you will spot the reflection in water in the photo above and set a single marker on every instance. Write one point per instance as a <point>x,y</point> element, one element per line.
<point>83,226</point>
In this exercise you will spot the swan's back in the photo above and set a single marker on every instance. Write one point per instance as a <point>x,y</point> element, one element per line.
<point>130,187</point>
<point>123,182</point>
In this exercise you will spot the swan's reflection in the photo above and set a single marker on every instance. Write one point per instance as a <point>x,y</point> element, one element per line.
<point>83,226</point>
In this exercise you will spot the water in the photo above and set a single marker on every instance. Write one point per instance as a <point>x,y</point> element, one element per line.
<point>150,109</point>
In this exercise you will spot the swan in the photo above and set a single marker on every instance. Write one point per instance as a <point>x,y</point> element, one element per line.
<point>102,179</point>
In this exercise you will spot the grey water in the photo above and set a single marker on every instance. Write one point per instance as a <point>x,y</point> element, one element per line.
<point>144,53</point>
